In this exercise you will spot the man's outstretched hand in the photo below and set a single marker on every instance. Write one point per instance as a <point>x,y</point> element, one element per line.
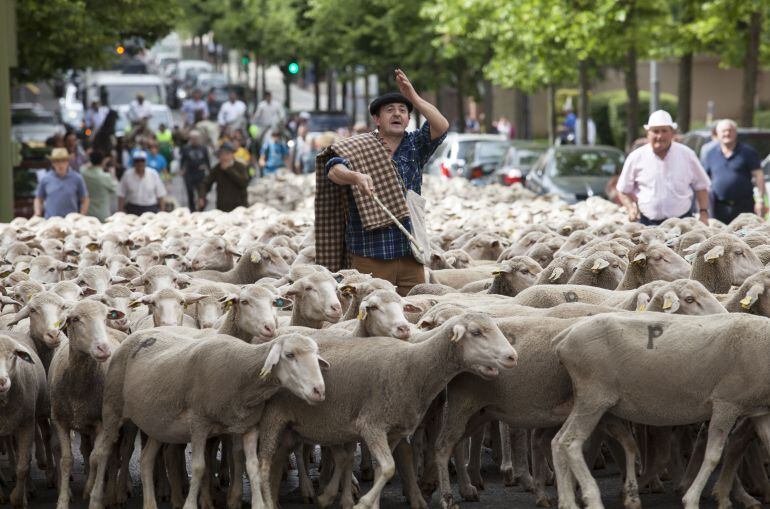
<point>405,86</point>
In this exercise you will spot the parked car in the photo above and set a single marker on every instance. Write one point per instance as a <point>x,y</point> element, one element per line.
<point>575,173</point>
<point>115,90</point>
<point>322,121</point>
<point>472,156</point>
<point>181,76</point>
<point>518,161</point>
<point>32,125</point>
<point>758,139</point>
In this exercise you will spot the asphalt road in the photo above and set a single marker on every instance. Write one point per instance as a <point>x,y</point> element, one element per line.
<point>495,496</point>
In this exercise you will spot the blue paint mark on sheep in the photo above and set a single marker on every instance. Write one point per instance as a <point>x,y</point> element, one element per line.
<point>144,344</point>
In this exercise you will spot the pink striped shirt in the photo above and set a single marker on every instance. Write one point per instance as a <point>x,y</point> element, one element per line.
<point>663,187</point>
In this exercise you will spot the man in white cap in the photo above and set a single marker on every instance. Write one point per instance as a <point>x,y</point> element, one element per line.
<point>139,190</point>
<point>659,179</point>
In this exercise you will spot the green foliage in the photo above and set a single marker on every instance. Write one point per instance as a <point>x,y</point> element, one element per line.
<point>762,119</point>
<point>600,113</point>
<point>56,35</point>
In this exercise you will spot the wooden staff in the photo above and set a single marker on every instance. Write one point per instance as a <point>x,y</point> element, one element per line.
<point>398,223</point>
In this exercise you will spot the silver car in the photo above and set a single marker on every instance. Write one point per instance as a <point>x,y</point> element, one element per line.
<point>472,156</point>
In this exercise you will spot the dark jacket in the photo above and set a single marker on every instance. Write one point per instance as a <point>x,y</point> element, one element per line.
<point>231,186</point>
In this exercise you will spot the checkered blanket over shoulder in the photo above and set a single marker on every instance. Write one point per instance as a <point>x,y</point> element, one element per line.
<point>367,154</point>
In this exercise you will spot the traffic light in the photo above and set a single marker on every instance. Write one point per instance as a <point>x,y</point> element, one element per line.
<point>293,68</point>
<point>245,59</point>
<point>120,49</point>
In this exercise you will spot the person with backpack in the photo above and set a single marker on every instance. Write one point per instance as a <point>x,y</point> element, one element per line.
<point>274,154</point>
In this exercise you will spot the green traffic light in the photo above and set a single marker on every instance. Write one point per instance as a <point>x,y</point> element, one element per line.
<point>293,68</point>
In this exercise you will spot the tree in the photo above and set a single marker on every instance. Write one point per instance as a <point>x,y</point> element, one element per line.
<point>56,35</point>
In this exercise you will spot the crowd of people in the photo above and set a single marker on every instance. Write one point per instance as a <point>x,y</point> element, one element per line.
<point>134,172</point>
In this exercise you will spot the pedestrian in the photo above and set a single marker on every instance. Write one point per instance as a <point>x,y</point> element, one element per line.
<point>241,153</point>
<point>140,190</point>
<point>61,190</point>
<point>139,109</point>
<point>155,159</point>
<point>232,113</point>
<point>95,115</point>
<point>78,156</point>
<point>274,154</point>
<point>706,148</point>
<point>232,179</point>
<point>101,184</point>
<point>503,127</point>
<point>731,166</point>
<point>194,165</point>
<point>590,137</point>
<point>350,228</point>
<point>165,139</point>
<point>300,162</point>
<point>268,114</point>
<point>659,179</point>
<point>194,105</point>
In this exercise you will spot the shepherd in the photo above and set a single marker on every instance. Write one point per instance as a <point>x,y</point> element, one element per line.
<point>364,181</point>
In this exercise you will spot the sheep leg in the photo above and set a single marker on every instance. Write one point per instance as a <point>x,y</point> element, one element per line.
<point>404,457</point>
<point>146,470</point>
<point>740,439</point>
<point>25,436</point>
<point>100,456</point>
<point>723,418</point>
<point>235,491</point>
<point>541,439</point>
<point>226,462</point>
<point>756,470</point>
<point>346,501</point>
<point>506,459</point>
<point>198,467</point>
<point>762,427</point>
<point>658,455</point>
<point>474,462</point>
<point>696,459</point>
<point>205,498</point>
<point>65,464</point>
<point>378,444</point>
<point>617,429</point>
<point>367,473</point>
<point>272,431</point>
<point>176,473</point>
<point>568,451</point>
<point>305,484</point>
<point>742,496</point>
<point>86,446</point>
<point>676,465</point>
<point>339,455</point>
<point>45,436</point>
<point>520,456</point>
<point>127,442</point>
<point>252,467</point>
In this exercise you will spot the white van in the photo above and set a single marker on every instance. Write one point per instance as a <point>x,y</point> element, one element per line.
<point>114,89</point>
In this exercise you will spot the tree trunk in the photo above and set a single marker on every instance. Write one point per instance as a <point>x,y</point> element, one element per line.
<point>632,90</point>
<point>460,103</point>
<point>489,98</point>
<point>287,92</point>
<point>331,103</point>
<point>583,101</point>
<point>264,78</point>
<point>751,69</point>
<point>317,85</point>
<point>354,96</point>
<point>684,91</point>
<point>344,93</point>
<point>367,94</point>
<point>551,114</point>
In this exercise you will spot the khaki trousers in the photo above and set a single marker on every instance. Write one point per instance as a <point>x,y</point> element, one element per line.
<point>403,272</point>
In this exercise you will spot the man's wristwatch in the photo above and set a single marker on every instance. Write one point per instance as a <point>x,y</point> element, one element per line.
<point>703,212</point>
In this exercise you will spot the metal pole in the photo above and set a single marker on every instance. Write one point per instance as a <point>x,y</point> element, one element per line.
<point>7,60</point>
<point>654,86</point>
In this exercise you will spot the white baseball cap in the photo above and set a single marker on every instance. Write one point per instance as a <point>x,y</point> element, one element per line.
<point>660,118</point>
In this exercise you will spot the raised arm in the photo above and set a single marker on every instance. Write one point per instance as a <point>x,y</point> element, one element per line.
<point>438,123</point>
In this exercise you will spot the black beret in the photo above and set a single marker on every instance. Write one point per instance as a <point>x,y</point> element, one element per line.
<point>392,97</point>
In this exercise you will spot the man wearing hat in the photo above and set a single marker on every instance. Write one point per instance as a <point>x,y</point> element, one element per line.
<point>352,230</point>
<point>61,190</point>
<point>140,190</point>
<point>231,178</point>
<point>659,179</point>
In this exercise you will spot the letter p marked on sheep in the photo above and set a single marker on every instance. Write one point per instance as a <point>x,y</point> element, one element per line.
<point>653,331</point>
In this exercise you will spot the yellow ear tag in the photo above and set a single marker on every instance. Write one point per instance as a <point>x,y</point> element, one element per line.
<point>264,373</point>
<point>361,314</point>
<point>746,302</point>
<point>667,304</point>
<point>497,273</point>
<point>642,308</point>
<point>57,325</point>
<point>228,304</point>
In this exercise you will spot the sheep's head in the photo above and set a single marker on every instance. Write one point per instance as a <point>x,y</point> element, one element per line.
<point>382,312</point>
<point>86,328</point>
<point>485,349</point>
<point>46,269</point>
<point>267,261</point>
<point>754,294</point>
<point>167,305</point>
<point>654,262</point>
<point>685,297</point>
<point>602,269</point>
<point>315,297</point>
<point>723,261</point>
<point>484,247</point>
<point>293,359</point>
<point>215,253</point>
<point>47,313</point>
<point>438,315</point>
<point>11,354</point>
<point>515,275</point>
<point>255,310</point>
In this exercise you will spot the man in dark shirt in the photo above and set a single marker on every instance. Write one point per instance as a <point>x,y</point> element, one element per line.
<point>194,165</point>
<point>731,166</point>
<point>385,253</point>
<point>231,178</point>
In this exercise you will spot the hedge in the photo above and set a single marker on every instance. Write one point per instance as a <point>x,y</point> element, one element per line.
<point>762,119</point>
<point>608,110</point>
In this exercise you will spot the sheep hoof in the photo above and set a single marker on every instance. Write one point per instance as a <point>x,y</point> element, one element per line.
<point>427,489</point>
<point>478,482</point>
<point>632,503</point>
<point>526,482</point>
<point>470,493</point>
<point>543,501</point>
<point>508,477</point>
<point>447,502</point>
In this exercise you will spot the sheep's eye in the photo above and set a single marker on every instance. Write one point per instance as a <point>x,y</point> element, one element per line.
<point>372,308</point>
<point>74,319</point>
<point>290,355</point>
<point>739,252</point>
<point>476,332</point>
<point>244,302</point>
<point>155,257</point>
<point>689,299</point>
<point>309,288</point>
<point>33,310</point>
<point>525,271</point>
<point>51,270</point>
<point>659,257</point>
<point>220,248</point>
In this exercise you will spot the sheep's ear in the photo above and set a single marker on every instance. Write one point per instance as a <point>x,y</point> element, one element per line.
<point>640,259</point>
<point>25,270</point>
<point>338,277</point>
<point>192,298</point>
<point>234,252</point>
<point>411,308</point>
<point>273,356</point>
<point>348,290</point>
<point>566,229</point>
<point>714,253</point>
<point>600,264</point>
<point>228,300</point>
<point>115,314</point>
<point>118,280</point>
<point>23,354</point>
<point>692,248</point>
<point>362,310</point>
<point>93,246</point>
<point>495,243</point>
<point>86,291</point>
<point>325,366</point>
<point>21,315</point>
<point>256,256</point>
<point>183,280</point>
<point>6,273</point>
<point>752,296</point>
<point>556,274</point>
<point>691,257</point>
<point>451,260</point>
<point>138,281</point>
<point>458,331</point>
<point>425,325</point>
<point>670,302</point>
<point>170,256</point>
<point>281,302</point>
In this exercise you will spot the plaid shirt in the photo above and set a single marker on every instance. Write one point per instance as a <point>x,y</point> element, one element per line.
<point>389,243</point>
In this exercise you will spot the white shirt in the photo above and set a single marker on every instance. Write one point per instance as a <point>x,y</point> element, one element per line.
<point>139,111</point>
<point>144,191</point>
<point>231,112</point>
<point>268,114</point>
<point>663,187</point>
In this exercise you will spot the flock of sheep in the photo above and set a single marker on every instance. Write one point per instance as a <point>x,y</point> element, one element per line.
<point>561,332</point>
